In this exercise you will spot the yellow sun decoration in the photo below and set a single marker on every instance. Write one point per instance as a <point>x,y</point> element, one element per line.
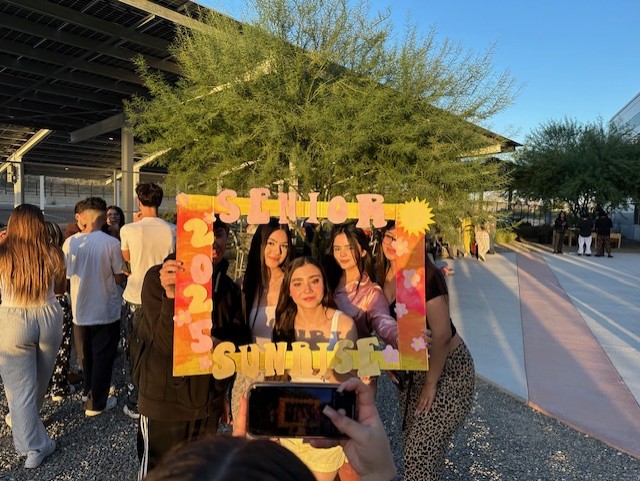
<point>415,216</point>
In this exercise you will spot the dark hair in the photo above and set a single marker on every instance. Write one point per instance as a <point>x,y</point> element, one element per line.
<point>382,265</point>
<point>121,222</point>
<point>286,310</point>
<point>218,224</point>
<point>253,283</point>
<point>55,233</point>
<point>150,194</point>
<point>91,203</point>
<point>356,238</point>
<point>229,458</point>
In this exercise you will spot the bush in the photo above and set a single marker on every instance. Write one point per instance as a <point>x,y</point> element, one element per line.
<point>535,233</point>
<point>505,236</point>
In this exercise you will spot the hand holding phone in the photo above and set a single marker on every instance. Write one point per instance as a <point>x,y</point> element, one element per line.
<point>295,410</point>
<point>368,448</point>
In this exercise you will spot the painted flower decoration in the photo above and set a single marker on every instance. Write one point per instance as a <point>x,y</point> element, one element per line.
<point>209,217</point>
<point>205,363</point>
<point>182,199</point>
<point>401,310</point>
<point>182,317</point>
<point>402,247</point>
<point>390,354</point>
<point>411,278</point>
<point>418,344</point>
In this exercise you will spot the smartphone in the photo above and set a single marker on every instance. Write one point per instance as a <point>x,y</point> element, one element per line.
<point>294,410</point>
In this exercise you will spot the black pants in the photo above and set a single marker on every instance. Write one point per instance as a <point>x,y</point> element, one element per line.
<point>156,438</point>
<point>130,318</point>
<point>100,349</point>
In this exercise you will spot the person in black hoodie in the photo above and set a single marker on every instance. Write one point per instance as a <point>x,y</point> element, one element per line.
<point>603,227</point>
<point>178,410</point>
<point>584,236</point>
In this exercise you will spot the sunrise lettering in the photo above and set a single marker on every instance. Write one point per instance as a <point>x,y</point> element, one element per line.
<point>275,359</point>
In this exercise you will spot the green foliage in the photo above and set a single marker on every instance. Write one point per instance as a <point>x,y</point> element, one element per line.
<point>579,165</point>
<point>318,95</point>
<point>505,236</point>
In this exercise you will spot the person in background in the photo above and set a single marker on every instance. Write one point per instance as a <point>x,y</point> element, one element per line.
<point>94,268</point>
<point>145,243</point>
<point>435,403</point>
<point>59,386</point>
<point>349,265</point>
<point>78,339</point>
<point>178,410</point>
<point>483,242</point>
<point>31,326</point>
<point>603,226</point>
<point>585,227</point>
<point>270,253</point>
<point>560,226</point>
<point>115,221</point>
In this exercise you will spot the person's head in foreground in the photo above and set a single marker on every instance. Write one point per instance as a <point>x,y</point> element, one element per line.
<point>223,458</point>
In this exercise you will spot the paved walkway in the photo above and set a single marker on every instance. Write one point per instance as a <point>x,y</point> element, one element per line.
<point>562,332</point>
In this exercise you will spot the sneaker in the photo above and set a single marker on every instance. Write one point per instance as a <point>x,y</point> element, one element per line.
<point>7,419</point>
<point>588,255</point>
<point>60,397</point>
<point>131,412</point>
<point>579,254</point>
<point>35,458</point>
<point>111,403</point>
<point>84,398</point>
<point>609,255</point>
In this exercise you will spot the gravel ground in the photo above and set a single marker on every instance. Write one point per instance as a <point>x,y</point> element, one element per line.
<point>502,440</point>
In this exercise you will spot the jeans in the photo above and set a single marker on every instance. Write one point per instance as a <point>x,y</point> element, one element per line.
<point>29,341</point>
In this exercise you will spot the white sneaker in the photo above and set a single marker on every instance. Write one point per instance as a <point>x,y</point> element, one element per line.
<point>132,413</point>
<point>35,458</point>
<point>111,403</point>
<point>7,419</point>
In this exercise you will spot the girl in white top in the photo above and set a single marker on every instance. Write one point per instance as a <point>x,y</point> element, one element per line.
<point>270,252</point>
<point>306,312</point>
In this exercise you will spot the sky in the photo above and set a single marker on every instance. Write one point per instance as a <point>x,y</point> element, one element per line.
<point>576,59</point>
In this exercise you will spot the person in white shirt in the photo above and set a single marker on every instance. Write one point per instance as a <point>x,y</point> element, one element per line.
<point>144,243</point>
<point>94,269</point>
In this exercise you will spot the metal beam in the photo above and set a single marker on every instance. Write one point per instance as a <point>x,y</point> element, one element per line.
<point>68,38</point>
<point>61,90</point>
<point>86,80</point>
<point>88,21</point>
<point>36,95</point>
<point>171,15</point>
<point>107,125</point>
<point>68,61</point>
<point>38,137</point>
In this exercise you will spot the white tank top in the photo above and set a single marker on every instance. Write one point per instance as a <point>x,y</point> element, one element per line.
<point>261,320</point>
<point>333,339</point>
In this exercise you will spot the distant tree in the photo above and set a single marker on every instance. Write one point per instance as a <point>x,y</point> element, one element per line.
<point>318,95</point>
<point>580,165</point>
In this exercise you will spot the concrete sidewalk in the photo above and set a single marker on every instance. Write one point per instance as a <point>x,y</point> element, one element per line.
<point>561,332</point>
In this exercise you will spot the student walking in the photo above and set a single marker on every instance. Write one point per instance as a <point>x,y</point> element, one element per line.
<point>31,327</point>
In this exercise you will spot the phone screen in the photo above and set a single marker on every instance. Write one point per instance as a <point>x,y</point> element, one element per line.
<point>291,410</point>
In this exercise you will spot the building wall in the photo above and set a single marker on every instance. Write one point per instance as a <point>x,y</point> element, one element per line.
<point>630,115</point>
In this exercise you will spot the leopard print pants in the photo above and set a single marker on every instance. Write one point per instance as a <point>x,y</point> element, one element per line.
<point>427,436</point>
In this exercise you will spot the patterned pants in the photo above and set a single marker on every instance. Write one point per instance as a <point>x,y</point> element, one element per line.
<point>427,436</point>
<point>59,385</point>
